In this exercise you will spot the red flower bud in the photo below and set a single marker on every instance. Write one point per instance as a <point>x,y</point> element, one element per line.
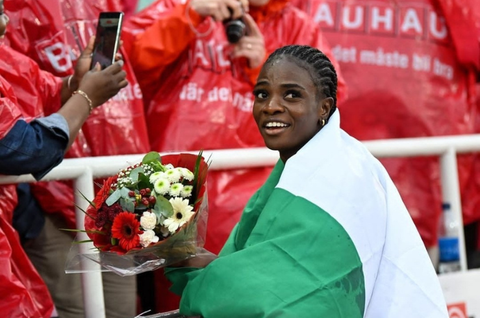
<point>143,192</point>
<point>145,202</point>
<point>152,200</point>
<point>131,194</point>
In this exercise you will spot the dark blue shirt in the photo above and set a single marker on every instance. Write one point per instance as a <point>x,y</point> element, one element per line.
<point>34,148</point>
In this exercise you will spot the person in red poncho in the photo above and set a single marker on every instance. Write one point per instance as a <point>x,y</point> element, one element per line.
<point>62,29</point>
<point>33,143</point>
<point>197,86</point>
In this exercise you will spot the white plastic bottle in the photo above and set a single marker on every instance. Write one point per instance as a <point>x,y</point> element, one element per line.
<point>448,242</point>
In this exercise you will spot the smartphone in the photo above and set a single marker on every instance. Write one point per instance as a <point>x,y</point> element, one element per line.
<point>107,39</point>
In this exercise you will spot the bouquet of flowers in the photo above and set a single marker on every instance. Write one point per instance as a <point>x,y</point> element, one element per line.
<point>149,215</point>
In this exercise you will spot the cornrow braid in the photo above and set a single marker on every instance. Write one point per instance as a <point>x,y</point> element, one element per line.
<point>314,61</point>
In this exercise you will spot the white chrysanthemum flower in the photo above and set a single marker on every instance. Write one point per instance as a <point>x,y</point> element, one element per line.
<point>187,174</point>
<point>176,189</point>
<point>148,237</point>
<point>157,175</point>
<point>169,166</point>
<point>162,186</point>
<point>186,191</point>
<point>148,220</point>
<point>182,212</point>
<point>173,175</point>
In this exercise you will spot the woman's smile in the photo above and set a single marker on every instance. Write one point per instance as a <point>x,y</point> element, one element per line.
<point>275,127</point>
<point>287,108</point>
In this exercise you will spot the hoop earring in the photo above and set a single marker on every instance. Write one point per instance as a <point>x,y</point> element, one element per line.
<point>323,122</point>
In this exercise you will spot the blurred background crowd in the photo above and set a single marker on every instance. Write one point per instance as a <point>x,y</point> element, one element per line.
<point>406,69</point>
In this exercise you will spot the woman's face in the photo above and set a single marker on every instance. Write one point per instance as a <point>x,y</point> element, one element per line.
<point>287,109</point>
<point>3,20</point>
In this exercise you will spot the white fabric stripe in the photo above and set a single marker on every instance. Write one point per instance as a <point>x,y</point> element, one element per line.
<point>338,174</point>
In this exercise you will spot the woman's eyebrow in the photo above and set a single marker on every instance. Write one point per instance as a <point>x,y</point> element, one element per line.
<point>292,85</point>
<point>263,82</point>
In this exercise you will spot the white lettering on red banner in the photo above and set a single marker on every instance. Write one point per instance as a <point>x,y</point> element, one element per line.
<point>418,20</point>
<point>208,56</point>
<point>193,92</point>
<point>128,93</point>
<point>393,59</point>
<point>59,57</point>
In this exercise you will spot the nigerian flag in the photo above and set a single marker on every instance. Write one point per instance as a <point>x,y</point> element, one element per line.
<point>326,236</point>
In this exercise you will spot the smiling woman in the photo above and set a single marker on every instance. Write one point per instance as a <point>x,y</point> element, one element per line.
<point>328,234</point>
<point>290,108</point>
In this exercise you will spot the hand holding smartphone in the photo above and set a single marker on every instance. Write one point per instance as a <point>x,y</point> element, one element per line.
<point>107,39</point>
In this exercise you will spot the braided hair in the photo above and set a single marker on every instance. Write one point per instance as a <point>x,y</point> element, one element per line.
<point>316,63</point>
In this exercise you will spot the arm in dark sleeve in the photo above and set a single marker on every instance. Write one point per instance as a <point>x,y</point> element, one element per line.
<point>35,147</point>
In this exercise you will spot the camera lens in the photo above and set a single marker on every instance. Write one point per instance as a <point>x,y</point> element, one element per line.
<point>235,29</point>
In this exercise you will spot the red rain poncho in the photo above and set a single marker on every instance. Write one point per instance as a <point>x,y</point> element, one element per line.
<point>60,32</point>
<point>22,291</point>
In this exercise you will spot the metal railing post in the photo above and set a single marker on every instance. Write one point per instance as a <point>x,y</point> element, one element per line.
<point>451,194</point>
<point>92,286</point>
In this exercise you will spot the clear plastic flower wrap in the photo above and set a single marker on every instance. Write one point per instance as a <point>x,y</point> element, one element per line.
<point>149,215</point>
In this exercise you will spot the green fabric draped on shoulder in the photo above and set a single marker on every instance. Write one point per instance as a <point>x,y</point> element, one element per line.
<point>273,264</point>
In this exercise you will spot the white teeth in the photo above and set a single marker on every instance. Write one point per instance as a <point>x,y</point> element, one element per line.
<point>275,124</point>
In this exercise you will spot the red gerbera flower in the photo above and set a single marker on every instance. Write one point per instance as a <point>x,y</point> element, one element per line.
<point>104,192</point>
<point>126,228</point>
<point>92,210</point>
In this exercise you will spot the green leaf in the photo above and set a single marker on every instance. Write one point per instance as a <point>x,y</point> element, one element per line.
<point>198,176</point>
<point>96,232</point>
<point>144,182</point>
<point>73,230</point>
<point>134,174</point>
<point>113,241</point>
<point>89,202</point>
<point>84,231</point>
<point>162,208</point>
<point>152,156</point>
<point>127,204</point>
<point>116,195</point>
<point>80,242</point>
<point>124,193</point>
<point>85,212</point>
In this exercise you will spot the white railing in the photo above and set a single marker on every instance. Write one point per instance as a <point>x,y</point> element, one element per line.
<point>84,170</point>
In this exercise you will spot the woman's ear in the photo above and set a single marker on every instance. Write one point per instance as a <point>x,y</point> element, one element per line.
<point>325,107</point>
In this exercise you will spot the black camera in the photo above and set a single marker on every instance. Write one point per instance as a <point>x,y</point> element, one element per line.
<point>234,29</point>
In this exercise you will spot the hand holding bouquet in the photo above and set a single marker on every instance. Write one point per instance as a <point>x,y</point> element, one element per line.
<point>147,216</point>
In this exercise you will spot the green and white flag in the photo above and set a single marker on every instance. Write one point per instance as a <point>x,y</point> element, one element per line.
<point>326,236</point>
